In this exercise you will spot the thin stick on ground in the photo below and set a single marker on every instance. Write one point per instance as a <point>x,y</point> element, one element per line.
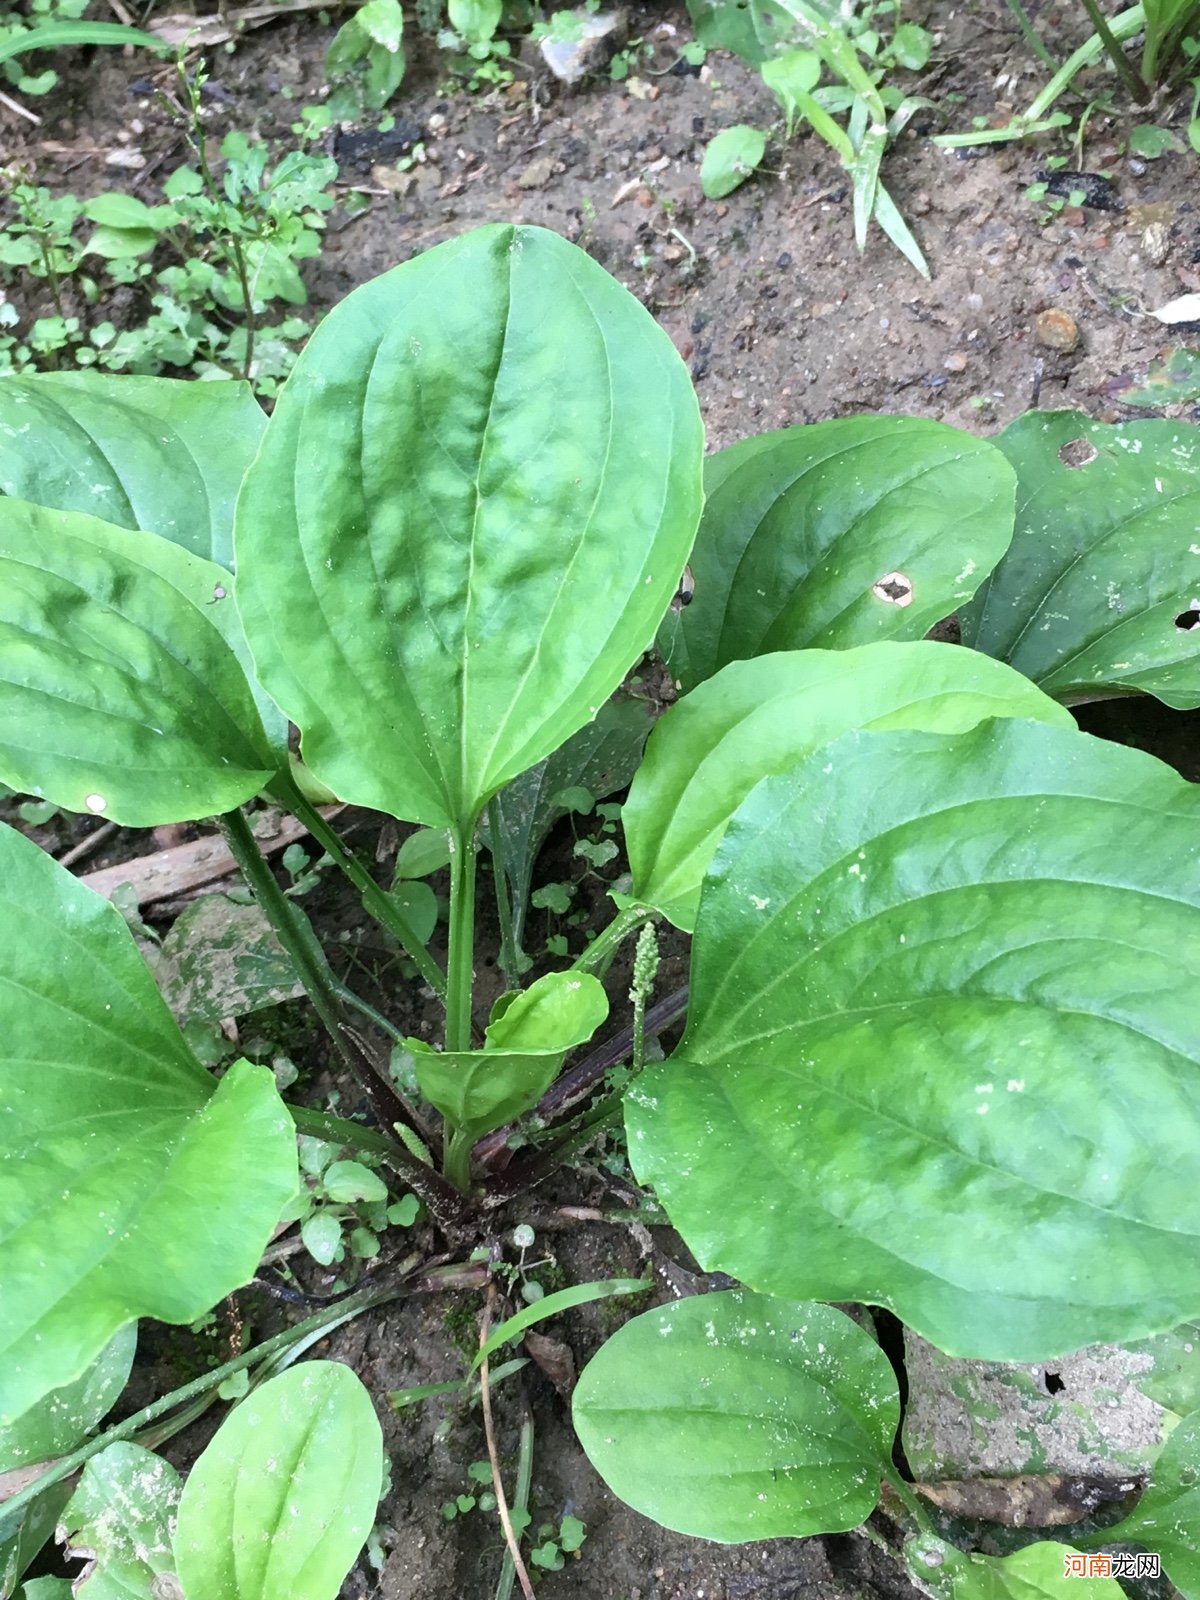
<point>87,845</point>
<point>485,1395</point>
<point>19,110</point>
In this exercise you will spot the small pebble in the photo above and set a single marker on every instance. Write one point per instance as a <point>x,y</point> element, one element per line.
<point>1057,330</point>
<point>1156,243</point>
<point>956,361</point>
<point>536,174</point>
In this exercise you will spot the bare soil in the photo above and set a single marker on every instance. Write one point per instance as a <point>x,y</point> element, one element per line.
<point>781,322</point>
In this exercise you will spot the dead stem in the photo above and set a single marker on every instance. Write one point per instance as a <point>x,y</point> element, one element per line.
<point>485,1395</point>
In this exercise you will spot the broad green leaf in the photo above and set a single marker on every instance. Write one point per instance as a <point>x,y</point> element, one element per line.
<point>222,959</point>
<point>321,1235</point>
<point>761,716</point>
<point>1038,1572</point>
<point>789,76</point>
<point>119,211</point>
<point>1167,1517</point>
<point>1100,591</point>
<point>475,20</point>
<point>120,1520</point>
<point>601,757</point>
<point>347,1181</point>
<point>131,1184</point>
<point>836,534</point>
<point>152,453</point>
<point>730,158</point>
<point>739,1416</point>
<point>63,1418</point>
<point>281,1502</point>
<point>423,852</point>
<point>478,1090</point>
<point>383,21</point>
<point>942,1031</point>
<point>120,692</point>
<point>1172,1376</point>
<point>418,903</point>
<point>46,1589</point>
<point>120,244</point>
<point>453,544</point>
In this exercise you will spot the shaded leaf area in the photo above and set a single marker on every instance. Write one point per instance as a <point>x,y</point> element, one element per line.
<point>1038,1572</point>
<point>601,757</point>
<point>1100,591</point>
<point>942,1030</point>
<point>836,534</point>
<point>759,717</point>
<point>221,959</point>
<point>24,1535</point>
<point>1167,1517</point>
<point>63,1417</point>
<point>738,1416</point>
<point>121,691</point>
<point>119,1522</point>
<point>511,527</point>
<point>526,1041</point>
<point>281,1502</point>
<point>131,1184</point>
<point>160,454</point>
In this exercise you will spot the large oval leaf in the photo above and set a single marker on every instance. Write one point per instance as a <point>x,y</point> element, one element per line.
<point>1100,590</point>
<point>761,716</point>
<point>471,508</point>
<point>942,1052</point>
<point>121,691</point>
<point>283,1499</point>
<point>837,534</point>
<point>739,1416</point>
<point>152,453</point>
<point>131,1184</point>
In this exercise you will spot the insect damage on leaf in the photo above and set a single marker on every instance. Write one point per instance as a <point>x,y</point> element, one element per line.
<point>1078,453</point>
<point>895,588</point>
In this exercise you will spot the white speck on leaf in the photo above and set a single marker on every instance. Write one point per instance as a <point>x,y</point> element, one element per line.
<point>96,802</point>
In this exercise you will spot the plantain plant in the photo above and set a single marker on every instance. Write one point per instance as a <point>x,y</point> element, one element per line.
<point>940,1047</point>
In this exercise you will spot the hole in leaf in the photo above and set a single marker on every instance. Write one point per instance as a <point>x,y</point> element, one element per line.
<point>1078,453</point>
<point>686,591</point>
<point>1189,619</point>
<point>895,588</point>
<point>1054,1384</point>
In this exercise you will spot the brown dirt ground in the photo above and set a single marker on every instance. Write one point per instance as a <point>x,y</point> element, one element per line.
<point>781,322</point>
